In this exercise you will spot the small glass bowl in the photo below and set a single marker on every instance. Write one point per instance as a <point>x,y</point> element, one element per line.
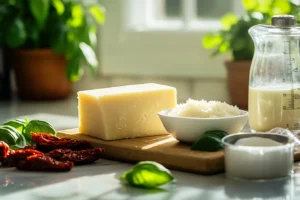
<point>258,163</point>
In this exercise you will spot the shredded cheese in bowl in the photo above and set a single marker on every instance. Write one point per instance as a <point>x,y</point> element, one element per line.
<point>204,109</point>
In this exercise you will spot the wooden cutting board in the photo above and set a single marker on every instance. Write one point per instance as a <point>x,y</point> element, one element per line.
<point>163,149</point>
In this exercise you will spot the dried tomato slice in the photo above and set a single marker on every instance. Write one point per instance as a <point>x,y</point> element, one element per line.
<point>15,156</point>
<point>30,147</point>
<point>44,163</point>
<point>81,157</point>
<point>63,154</point>
<point>45,143</point>
<point>36,136</point>
<point>58,153</point>
<point>3,150</point>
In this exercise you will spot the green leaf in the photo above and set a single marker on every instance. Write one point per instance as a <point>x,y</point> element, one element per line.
<point>250,4</point>
<point>86,32</point>
<point>40,10</point>
<point>210,41</point>
<point>8,135</point>
<point>16,34</point>
<point>148,174</point>
<point>59,44</point>
<point>77,16</point>
<point>296,12</point>
<point>264,6</point>
<point>228,20</point>
<point>281,7</point>
<point>18,124</point>
<point>239,43</point>
<point>93,39</point>
<point>215,52</point>
<point>90,56</point>
<point>210,141</point>
<point>20,143</point>
<point>224,47</point>
<point>74,69</point>
<point>12,137</point>
<point>98,13</point>
<point>33,32</point>
<point>59,6</point>
<point>37,126</point>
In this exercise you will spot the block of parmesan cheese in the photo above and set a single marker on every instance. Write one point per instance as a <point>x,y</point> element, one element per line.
<point>125,111</point>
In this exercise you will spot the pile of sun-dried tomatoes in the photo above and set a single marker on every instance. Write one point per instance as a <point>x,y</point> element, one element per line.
<point>50,153</point>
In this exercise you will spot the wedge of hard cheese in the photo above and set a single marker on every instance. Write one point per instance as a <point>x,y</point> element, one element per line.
<point>124,112</point>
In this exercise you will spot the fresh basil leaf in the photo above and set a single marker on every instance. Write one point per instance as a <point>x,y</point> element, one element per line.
<point>7,135</point>
<point>148,174</point>
<point>20,143</point>
<point>18,124</point>
<point>12,137</point>
<point>210,141</point>
<point>37,126</point>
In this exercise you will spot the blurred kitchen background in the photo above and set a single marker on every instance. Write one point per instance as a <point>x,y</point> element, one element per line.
<point>50,49</point>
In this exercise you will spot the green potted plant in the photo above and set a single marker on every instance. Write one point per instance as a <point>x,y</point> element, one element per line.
<point>233,38</point>
<point>46,41</point>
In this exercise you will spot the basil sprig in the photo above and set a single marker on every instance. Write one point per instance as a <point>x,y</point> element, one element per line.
<point>18,124</point>
<point>16,133</point>
<point>12,137</point>
<point>148,174</point>
<point>210,141</point>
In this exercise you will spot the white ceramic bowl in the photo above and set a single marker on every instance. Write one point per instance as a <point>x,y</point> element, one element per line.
<point>189,129</point>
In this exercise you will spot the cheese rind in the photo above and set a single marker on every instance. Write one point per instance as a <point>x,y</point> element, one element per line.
<point>125,111</point>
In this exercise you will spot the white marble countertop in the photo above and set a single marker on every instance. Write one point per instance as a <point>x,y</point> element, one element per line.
<point>101,180</point>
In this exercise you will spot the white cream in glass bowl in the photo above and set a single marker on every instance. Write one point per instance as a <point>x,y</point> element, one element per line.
<point>260,156</point>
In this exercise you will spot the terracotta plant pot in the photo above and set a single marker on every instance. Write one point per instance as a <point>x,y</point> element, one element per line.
<point>40,75</point>
<point>238,82</point>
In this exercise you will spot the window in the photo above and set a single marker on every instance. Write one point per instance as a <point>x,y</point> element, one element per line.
<point>187,13</point>
<point>202,9</point>
<point>162,37</point>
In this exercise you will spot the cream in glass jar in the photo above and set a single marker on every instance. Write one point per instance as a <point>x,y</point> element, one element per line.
<point>274,85</point>
<point>274,106</point>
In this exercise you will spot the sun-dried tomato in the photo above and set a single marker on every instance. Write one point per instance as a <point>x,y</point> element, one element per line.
<point>77,157</point>
<point>45,143</point>
<point>44,163</point>
<point>33,146</point>
<point>3,150</point>
<point>58,153</point>
<point>36,136</point>
<point>15,156</point>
